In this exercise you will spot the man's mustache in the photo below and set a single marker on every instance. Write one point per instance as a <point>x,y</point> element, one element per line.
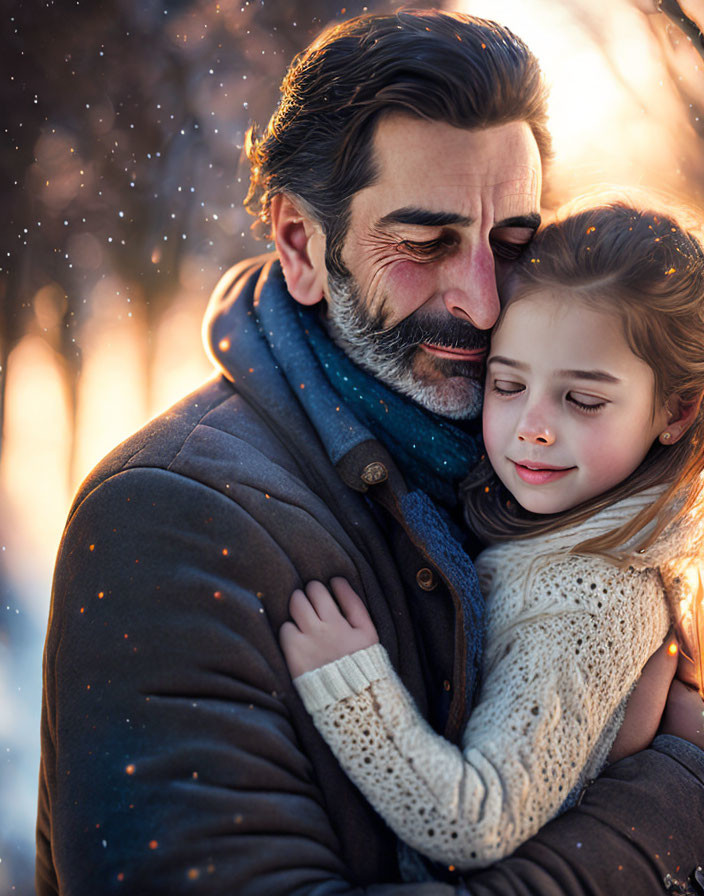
<point>449,333</point>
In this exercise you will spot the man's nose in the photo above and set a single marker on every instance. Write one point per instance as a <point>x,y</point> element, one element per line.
<point>471,292</point>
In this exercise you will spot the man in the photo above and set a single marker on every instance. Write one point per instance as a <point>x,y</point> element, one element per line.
<point>400,176</point>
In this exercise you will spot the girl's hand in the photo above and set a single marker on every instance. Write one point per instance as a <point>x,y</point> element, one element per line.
<point>320,633</point>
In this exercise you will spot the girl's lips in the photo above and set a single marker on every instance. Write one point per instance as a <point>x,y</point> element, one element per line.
<point>539,475</point>
<point>474,355</point>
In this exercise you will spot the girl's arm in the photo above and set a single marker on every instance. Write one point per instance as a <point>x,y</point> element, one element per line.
<point>647,703</point>
<point>684,714</point>
<point>551,704</point>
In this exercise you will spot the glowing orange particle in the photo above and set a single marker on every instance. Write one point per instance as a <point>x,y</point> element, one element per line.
<point>671,271</point>
<point>217,595</point>
<point>193,874</point>
<point>121,875</point>
<point>101,594</point>
<point>225,552</point>
<point>153,844</point>
<point>591,229</point>
<point>672,649</point>
<point>91,547</point>
<point>83,609</point>
<point>130,769</point>
<point>224,344</point>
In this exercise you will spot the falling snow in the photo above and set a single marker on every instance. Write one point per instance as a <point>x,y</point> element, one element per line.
<point>127,182</point>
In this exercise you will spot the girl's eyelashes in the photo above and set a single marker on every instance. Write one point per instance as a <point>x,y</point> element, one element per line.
<point>507,387</point>
<point>590,404</point>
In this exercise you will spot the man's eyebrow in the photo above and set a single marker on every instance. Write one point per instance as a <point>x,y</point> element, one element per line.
<point>596,376</point>
<point>423,217</point>
<point>531,221</point>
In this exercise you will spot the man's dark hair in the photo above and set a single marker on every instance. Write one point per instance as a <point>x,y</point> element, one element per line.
<point>465,71</point>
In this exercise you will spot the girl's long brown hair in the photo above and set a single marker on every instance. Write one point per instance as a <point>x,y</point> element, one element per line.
<point>647,270</point>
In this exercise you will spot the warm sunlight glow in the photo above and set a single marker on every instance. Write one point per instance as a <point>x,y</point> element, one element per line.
<point>34,483</point>
<point>614,113</point>
<point>111,396</point>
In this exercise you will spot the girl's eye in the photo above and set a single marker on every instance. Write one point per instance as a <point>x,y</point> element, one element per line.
<point>588,403</point>
<point>507,387</point>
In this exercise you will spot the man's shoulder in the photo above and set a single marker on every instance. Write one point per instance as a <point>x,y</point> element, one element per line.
<point>213,437</point>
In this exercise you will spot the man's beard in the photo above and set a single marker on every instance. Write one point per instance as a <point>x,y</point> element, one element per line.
<point>454,388</point>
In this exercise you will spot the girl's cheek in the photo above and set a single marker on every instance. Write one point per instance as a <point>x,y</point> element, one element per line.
<point>492,425</point>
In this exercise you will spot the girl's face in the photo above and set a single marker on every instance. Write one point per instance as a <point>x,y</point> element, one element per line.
<point>568,409</point>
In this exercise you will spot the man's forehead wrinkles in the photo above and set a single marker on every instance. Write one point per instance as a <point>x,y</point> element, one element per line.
<point>525,180</point>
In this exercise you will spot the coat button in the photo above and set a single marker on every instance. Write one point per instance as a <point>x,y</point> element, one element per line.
<point>374,473</point>
<point>426,579</point>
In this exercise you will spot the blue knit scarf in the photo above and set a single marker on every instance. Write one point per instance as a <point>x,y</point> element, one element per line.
<point>347,407</point>
<point>433,454</point>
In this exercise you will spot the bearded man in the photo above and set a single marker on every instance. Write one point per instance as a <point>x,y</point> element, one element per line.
<point>400,177</point>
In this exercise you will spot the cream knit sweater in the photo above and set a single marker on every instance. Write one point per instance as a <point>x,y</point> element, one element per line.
<point>568,636</point>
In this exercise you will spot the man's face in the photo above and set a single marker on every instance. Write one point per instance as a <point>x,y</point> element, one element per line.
<point>447,215</point>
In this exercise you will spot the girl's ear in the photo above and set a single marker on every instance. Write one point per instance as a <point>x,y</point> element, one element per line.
<point>300,244</point>
<point>681,415</point>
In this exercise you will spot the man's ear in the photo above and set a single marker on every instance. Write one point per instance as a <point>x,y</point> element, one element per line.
<point>300,243</point>
<point>681,415</point>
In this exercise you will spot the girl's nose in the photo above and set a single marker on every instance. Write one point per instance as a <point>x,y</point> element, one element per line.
<point>536,435</point>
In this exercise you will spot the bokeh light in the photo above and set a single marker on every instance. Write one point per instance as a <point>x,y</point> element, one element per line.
<point>126,123</point>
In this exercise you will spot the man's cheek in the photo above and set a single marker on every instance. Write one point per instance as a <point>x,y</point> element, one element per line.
<point>410,284</point>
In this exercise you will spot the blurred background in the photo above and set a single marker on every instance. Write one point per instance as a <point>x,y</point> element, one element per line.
<point>122,204</point>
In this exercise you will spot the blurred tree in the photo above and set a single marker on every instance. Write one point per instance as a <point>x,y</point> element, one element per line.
<point>124,124</point>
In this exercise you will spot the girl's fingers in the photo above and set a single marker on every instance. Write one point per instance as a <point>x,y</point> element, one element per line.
<point>287,636</point>
<point>293,648</point>
<point>302,611</point>
<point>352,605</point>
<point>322,602</point>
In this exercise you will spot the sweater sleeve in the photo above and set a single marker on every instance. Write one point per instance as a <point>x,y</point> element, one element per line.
<point>551,703</point>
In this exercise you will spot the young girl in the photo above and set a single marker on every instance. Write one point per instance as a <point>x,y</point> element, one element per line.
<point>592,502</point>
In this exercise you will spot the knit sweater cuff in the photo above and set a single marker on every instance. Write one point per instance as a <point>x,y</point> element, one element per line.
<point>346,677</point>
